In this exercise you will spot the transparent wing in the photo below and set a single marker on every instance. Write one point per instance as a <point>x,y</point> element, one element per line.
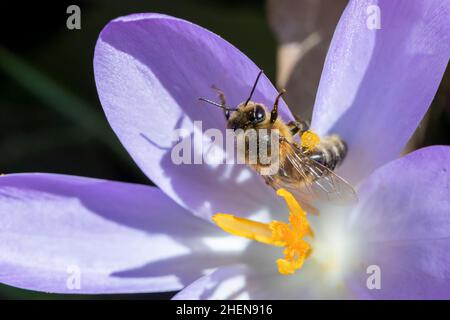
<point>309,181</point>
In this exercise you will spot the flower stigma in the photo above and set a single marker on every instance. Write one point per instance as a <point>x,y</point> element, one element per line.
<point>276,233</point>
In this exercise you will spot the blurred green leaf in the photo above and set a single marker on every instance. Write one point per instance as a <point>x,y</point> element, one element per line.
<point>23,145</point>
<point>60,100</point>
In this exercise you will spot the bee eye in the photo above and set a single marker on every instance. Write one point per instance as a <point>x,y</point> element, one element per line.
<point>258,114</point>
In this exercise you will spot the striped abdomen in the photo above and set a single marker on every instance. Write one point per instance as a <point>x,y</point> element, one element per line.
<point>330,152</point>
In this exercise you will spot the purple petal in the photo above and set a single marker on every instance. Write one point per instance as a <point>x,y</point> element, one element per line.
<point>120,237</point>
<point>150,71</point>
<point>404,221</point>
<point>239,282</point>
<point>224,283</point>
<point>259,279</point>
<point>377,84</point>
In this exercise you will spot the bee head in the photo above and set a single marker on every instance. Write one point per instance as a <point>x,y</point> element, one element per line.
<point>248,115</point>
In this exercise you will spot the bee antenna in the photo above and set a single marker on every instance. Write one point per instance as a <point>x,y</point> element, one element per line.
<point>254,87</point>
<point>217,104</point>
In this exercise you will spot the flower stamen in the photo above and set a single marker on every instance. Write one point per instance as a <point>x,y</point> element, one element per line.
<point>276,233</point>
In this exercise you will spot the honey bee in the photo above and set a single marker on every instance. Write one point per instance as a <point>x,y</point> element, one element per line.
<point>306,173</point>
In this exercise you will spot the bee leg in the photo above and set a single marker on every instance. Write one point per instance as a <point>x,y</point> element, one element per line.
<point>274,112</point>
<point>222,100</point>
<point>298,126</point>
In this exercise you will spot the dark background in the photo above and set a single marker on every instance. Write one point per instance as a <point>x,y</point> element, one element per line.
<point>51,118</point>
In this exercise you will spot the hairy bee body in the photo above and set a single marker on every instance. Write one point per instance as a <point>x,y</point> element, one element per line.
<point>330,152</point>
<point>306,172</point>
<point>264,132</point>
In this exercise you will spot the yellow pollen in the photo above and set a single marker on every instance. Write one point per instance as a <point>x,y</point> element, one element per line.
<point>310,140</point>
<point>276,233</point>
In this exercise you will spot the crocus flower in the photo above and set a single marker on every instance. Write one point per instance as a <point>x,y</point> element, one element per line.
<point>81,235</point>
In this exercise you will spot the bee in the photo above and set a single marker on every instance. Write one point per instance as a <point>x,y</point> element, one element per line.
<point>306,173</point>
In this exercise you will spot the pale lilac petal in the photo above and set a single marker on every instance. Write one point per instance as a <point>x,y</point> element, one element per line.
<point>241,282</point>
<point>257,278</point>
<point>403,220</point>
<point>150,71</point>
<point>377,84</point>
<point>223,283</point>
<point>121,237</point>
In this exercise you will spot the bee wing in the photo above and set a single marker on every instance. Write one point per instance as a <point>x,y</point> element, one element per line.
<point>311,182</point>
